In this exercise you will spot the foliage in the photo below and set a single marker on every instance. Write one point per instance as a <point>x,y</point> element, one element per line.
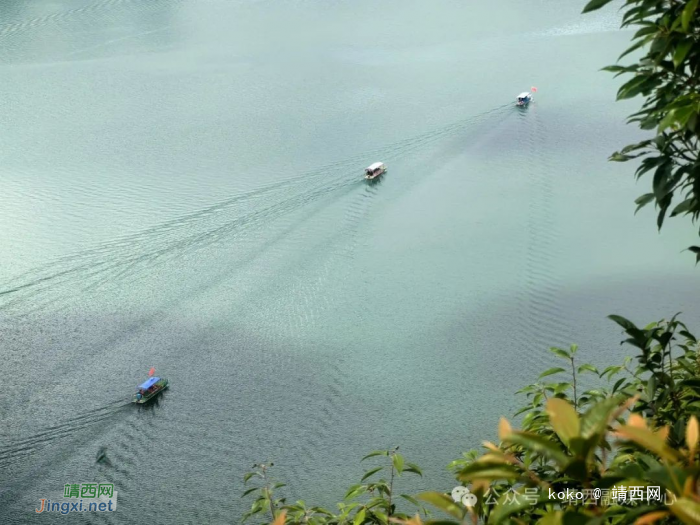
<point>639,429</point>
<point>264,489</point>
<point>668,76</point>
<point>585,445</point>
<point>372,500</point>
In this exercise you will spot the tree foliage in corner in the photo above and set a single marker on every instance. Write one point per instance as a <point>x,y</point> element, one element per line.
<point>667,74</point>
<point>626,453</point>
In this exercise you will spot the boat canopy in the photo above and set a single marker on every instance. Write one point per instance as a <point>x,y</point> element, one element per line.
<point>149,383</point>
<point>524,95</point>
<point>375,166</point>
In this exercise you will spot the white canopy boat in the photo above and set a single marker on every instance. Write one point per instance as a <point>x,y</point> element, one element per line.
<point>375,170</point>
<point>524,98</point>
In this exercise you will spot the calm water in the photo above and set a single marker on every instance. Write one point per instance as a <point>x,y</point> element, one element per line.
<point>181,188</point>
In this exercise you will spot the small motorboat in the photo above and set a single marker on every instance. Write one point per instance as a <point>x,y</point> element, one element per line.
<point>524,99</point>
<point>149,389</point>
<point>375,170</point>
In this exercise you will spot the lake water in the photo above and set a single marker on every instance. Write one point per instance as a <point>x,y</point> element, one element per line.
<point>181,187</point>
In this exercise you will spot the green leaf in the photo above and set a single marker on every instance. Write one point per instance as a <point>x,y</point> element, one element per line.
<point>596,420</point>
<point>614,68</point>
<point>595,4</point>
<point>355,491</point>
<point>683,116</point>
<point>648,440</point>
<point>663,207</point>
<point>359,517</point>
<point>411,499</point>
<point>646,30</point>
<point>663,182</point>
<point>691,383</point>
<point>550,372</point>
<point>668,121</point>
<point>682,51</point>
<point>560,352</point>
<point>637,45</point>
<point>688,13</point>
<point>651,387</point>
<point>412,467</point>
<point>375,453</point>
<point>588,368</point>
<point>683,207</point>
<point>564,419</point>
<point>686,510</point>
<point>624,323</point>
<point>443,503</point>
<point>371,472</point>
<point>632,87</point>
<point>632,15</point>
<point>619,157</point>
<point>553,517</point>
<point>617,384</point>
<point>696,251</point>
<point>636,146</point>
<point>664,475</point>
<point>249,491</point>
<point>577,468</point>
<point>643,201</point>
<point>611,370</point>
<point>649,122</point>
<point>536,443</point>
<point>397,461</point>
<point>649,164</point>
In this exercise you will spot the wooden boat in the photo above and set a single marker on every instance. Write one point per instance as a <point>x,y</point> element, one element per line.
<point>375,170</point>
<point>149,389</point>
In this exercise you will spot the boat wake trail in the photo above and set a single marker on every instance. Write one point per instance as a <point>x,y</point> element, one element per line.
<point>541,318</point>
<point>132,257</point>
<point>137,256</point>
<point>20,448</point>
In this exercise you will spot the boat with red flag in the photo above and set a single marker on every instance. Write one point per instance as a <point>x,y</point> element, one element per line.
<point>150,388</point>
<point>525,97</point>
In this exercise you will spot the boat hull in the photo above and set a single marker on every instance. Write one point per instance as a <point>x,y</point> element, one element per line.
<point>150,396</point>
<point>375,176</point>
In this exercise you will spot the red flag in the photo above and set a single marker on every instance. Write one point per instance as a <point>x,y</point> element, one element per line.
<point>151,371</point>
<point>533,89</point>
